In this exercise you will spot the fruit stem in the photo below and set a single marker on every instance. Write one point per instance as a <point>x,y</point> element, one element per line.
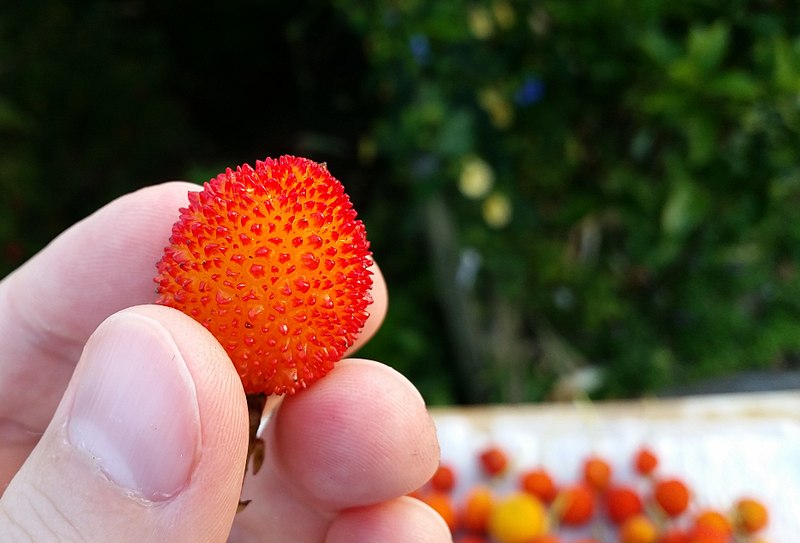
<point>255,445</point>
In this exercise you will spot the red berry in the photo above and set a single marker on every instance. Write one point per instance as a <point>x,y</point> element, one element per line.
<point>622,503</point>
<point>597,473</point>
<point>713,520</point>
<point>477,507</point>
<point>674,535</point>
<point>547,538</point>
<point>672,495</point>
<point>645,461</point>
<point>706,534</point>
<point>443,479</point>
<point>274,263</point>
<point>493,461</point>
<point>539,483</point>
<point>575,505</point>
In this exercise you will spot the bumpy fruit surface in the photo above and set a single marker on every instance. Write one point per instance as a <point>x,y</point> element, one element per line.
<point>273,261</point>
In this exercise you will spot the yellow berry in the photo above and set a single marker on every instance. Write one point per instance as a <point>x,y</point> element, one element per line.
<point>518,519</point>
<point>638,529</point>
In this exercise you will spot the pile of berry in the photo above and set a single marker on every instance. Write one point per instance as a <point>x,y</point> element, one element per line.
<point>653,508</point>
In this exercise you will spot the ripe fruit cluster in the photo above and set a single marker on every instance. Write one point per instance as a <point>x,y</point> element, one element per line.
<point>652,508</point>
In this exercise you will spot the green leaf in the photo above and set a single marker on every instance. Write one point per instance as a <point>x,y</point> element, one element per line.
<point>707,46</point>
<point>457,134</point>
<point>658,47</point>
<point>736,85</point>
<point>787,65</point>
<point>686,206</point>
<point>684,71</point>
<point>701,134</point>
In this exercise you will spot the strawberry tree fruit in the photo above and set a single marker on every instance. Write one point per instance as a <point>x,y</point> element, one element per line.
<point>638,529</point>
<point>622,502</point>
<point>597,473</point>
<point>645,461</point>
<point>274,262</point>
<point>443,479</point>
<point>750,515</point>
<point>575,505</point>
<point>538,482</point>
<point>713,520</point>
<point>478,505</point>
<point>517,518</point>
<point>672,496</point>
<point>493,461</point>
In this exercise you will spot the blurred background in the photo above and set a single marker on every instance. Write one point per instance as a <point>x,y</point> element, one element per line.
<point>567,198</point>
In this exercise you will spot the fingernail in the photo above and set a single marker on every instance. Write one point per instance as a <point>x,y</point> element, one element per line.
<point>135,410</point>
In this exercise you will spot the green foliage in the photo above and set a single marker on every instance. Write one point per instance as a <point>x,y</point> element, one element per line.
<point>650,155</point>
<point>547,185</point>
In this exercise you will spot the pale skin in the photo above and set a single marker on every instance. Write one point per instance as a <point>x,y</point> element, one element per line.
<point>340,456</point>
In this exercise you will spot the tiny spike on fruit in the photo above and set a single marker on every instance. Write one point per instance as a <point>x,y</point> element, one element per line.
<point>273,261</point>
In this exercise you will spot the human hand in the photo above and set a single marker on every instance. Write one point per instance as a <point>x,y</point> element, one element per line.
<point>145,439</point>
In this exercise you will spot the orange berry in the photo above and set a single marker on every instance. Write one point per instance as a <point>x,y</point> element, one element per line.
<point>443,479</point>
<point>477,507</point>
<point>672,495</point>
<point>443,504</point>
<point>597,472</point>
<point>622,502</point>
<point>645,461</point>
<point>710,518</point>
<point>418,494</point>
<point>471,538</point>
<point>539,483</point>
<point>274,263</point>
<point>750,515</point>
<point>706,534</point>
<point>638,529</point>
<point>518,518</point>
<point>493,461</point>
<point>546,538</point>
<point>575,505</point>
<point>674,535</point>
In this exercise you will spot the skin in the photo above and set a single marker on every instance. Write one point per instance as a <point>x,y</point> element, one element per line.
<point>340,456</point>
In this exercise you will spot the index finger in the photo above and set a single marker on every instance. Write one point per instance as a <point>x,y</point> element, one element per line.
<point>50,306</point>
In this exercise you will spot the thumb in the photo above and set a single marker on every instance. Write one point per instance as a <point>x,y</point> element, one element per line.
<point>147,444</point>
